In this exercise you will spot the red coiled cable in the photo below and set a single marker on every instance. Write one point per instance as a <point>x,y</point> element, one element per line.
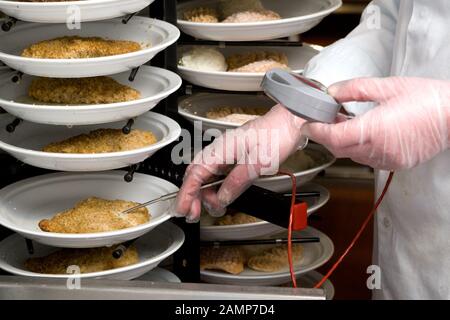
<point>291,219</point>
<point>352,243</point>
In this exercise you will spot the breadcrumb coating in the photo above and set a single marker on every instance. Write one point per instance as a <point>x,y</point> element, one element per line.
<point>236,114</point>
<point>201,14</point>
<point>275,258</point>
<point>88,260</point>
<point>75,47</point>
<point>103,141</point>
<point>228,259</point>
<point>97,90</point>
<point>94,215</point>
<point>239,60</point>
<point>252,16</point>
<point>235,219</point>
<point>261,66</point>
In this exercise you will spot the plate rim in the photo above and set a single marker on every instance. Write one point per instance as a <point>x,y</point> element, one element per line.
<point>174,80</point>
<point>62,4</point>
<point>173,33</point>
<point>326,242</point>
<point>230,74</point>
<point>334,5</point>
<point>55,177</point>
<point>173,133</point>
<point>176,234</point>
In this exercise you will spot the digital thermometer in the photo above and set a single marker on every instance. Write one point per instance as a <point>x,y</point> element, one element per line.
<point>304,97</point>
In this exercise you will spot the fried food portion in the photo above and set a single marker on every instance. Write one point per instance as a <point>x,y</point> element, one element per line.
<point>227,259</point>
<point>234,219</point>
<point>245,62</point>
<point>201,14</point>
<point>275,258</point>
<point>252,16</point>
<point>236,114</point>
<point>75,47</point>
<point>261,66</point>
<point>103,141</point>
<point>96,90</point>
<point>96,215</point>
<point>229,7</point>
<point>88,260</point>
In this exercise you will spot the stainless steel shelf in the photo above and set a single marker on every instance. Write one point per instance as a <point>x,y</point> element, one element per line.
<point>12,288</point>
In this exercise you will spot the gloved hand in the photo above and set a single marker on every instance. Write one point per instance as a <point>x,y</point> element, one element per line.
<point>408,127</point>
<point>256,148</point>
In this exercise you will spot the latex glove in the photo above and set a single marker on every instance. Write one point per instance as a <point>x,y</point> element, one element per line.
<point>256,148</point>
<point>408,126</point>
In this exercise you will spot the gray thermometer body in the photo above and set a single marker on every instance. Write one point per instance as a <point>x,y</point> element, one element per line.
<point>302,96</point>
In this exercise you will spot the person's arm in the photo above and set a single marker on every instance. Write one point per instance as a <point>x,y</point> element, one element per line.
<point>408,127</point>
<point>371,54</point>
<point>366,52</point>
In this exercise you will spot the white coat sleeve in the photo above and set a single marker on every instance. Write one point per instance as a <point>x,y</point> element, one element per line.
<point>366,52</point>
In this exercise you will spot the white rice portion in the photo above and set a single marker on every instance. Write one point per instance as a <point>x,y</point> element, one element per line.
<point>204,59</point>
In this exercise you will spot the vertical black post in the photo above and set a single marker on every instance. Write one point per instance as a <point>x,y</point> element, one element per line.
<point>187,259</point>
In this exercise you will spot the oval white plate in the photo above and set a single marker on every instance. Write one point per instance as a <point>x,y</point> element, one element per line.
<point>152,249</point>
<point>195,107</point>
<point>25,203</point>
<point>154,35</point>
<point>61,12</point>
<point>323,159</point>
<point>258,229</point>
<point>298,57</point>
<point>154,84</point>
<point>29,138</point>
<point>314,256</point>
<point>298,17</point>
<point>159,275</point>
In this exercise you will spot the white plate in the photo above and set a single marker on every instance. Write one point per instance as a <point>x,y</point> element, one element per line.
<point>62,12</point>
<point>258,229</point>
<point>298,17</point>
<point>159,275</point>
<point>154,84</point>
<point>152,249</point>
<point>154,35</point>
<point>314,256</point>
<point>323,159</point>
<point>195,107</point>
<point>298,57</point>
<point>25,203</point>
<point>29,138</point>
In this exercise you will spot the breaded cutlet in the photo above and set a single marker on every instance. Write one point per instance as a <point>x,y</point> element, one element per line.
<point>239,60</point>
<point>103,141</point>
<point>96,215</point>
<point>274,258</point>
<point>227,259</point>
<point>96,90</point>
<point>75,47</point>
<point>88,260</point>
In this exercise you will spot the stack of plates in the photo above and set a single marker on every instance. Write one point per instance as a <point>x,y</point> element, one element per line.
<point>25,203</point>
<point>296,18</point>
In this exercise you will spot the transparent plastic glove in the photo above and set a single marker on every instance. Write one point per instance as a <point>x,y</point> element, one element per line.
<point>409,125</point>
<point>257,148</point>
